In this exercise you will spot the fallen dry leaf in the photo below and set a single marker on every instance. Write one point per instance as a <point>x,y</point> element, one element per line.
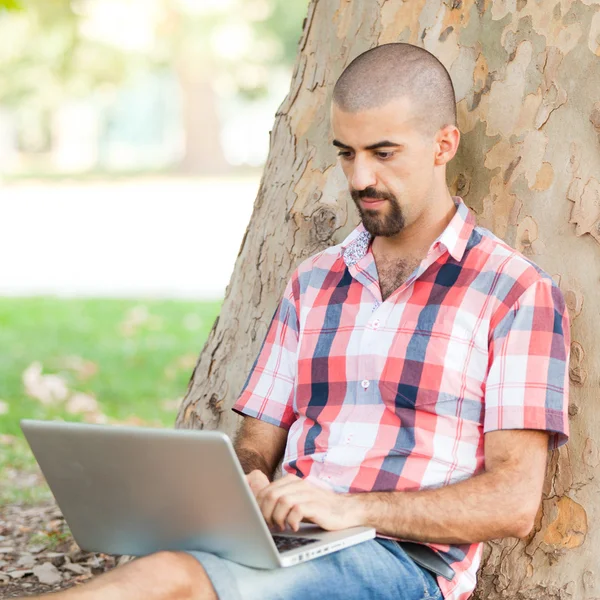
<point>75,568</point>
<point>48,389</point>
<point>26,561</point>
<point>80,403</point>
<point>137,317</point>
<point>47,573</point>
<point>20,573</point>
<point>96,418</point>
<point>134,421</point>
<point>8,440</point>
<point>83,368</point>
<point>20,529</point>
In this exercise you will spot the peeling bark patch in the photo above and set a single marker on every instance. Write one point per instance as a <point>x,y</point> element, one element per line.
<point>595,117</point>
<point>554,99</point>
<point>506,96</point>
<point>568,527</point>
<point>588,579</point>
<point>461,185</point>
<point>216,407</point>
<point>190,420</point>
<point>586,212</point>
<point>594,36</point>
<point>591,455</point>
<point>544,177</point>
<point>510,169</point>
<point>480,74</point>
<point>577,373</point>
<point>556,13</point>
<point>574,302</point>
<point>325,224</point>
<point>527,234</point>
<point>445,33</point>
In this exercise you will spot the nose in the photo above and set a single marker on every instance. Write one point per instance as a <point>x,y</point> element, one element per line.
<point>362,175</point>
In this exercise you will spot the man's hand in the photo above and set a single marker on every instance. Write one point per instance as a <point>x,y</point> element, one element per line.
<point>290,500</point>
<point>257,481</point>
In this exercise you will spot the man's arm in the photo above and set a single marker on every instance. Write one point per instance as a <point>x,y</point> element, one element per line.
<point>500,502</point>
<point>260,446</point>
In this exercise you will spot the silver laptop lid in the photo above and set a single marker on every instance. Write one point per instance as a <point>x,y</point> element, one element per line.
<point>134,490</point>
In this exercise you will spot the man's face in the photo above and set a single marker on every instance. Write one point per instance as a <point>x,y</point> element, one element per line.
<point>388,162</point>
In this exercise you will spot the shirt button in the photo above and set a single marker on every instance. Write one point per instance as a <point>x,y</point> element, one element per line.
<point>365,383</point>
<point>375,324</point>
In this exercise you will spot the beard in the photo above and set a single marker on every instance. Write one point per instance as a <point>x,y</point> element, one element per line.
<point>376,223</point>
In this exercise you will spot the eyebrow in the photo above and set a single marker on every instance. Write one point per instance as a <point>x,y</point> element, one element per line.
<point>382,144</point>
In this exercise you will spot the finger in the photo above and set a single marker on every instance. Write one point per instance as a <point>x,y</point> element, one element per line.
<point>281,511</point>
<point>285,482</point>
<point>257,481</point>
<point>275,511</point>
<point>296,516</point>
<point>286,504</point>
<point>268,497</point>
<point>280,486</point>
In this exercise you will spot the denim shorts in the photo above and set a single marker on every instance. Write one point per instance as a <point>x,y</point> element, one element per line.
<point>373,570</point>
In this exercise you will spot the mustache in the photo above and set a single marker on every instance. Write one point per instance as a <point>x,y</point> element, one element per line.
<point>371,192</point>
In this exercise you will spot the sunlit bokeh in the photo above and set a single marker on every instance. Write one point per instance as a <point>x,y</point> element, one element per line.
<point>132,138</point>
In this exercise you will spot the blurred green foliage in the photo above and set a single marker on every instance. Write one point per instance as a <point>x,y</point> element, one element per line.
<point>143,352</point>
<point>46,55</point>
<point>10,5</point>
<point>134,357</point>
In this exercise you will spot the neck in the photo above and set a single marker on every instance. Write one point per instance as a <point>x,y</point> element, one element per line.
<point>418,235</point>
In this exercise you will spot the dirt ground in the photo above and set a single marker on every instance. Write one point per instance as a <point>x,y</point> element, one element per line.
<point>38,554</point>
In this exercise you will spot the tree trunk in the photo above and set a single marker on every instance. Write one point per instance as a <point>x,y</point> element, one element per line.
<point>526,75</point>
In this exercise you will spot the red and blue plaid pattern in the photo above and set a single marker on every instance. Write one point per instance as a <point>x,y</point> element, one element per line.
<point>397,395</point>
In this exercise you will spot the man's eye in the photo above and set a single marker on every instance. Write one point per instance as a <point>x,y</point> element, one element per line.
<point>385,155</point>
<point>344,154</point>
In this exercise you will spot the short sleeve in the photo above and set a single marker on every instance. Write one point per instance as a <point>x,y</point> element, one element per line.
<point>527,385</point>
<point>268,393</point>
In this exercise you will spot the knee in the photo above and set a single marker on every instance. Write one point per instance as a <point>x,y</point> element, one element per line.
<point>177,574</point>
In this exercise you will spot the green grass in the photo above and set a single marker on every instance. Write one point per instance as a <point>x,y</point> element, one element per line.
<point>137,355</point>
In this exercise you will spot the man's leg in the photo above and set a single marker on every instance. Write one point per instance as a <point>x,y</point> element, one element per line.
<point>161,576</point>
<point>377,570</point>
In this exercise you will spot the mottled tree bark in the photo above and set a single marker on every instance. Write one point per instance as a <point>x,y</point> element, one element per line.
<point>527,77</point>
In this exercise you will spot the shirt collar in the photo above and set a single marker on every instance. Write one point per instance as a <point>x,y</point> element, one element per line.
<point>454,238</point>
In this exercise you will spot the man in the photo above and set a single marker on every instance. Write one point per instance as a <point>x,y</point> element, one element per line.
<point>412,378</point>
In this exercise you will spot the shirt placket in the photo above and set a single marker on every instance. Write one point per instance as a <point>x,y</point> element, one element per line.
<point>367,391</point>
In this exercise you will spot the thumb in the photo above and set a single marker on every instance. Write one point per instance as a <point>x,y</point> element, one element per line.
<point>257,481</point>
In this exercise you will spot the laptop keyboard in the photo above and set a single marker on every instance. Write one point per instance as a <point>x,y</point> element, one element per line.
<point>285,543</point>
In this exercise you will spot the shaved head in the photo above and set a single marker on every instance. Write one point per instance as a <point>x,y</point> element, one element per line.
<point>391,71</point>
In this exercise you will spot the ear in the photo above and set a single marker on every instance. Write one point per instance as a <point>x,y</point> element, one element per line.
<point>446,144</point>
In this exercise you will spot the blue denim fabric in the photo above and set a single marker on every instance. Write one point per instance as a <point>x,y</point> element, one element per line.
<point>373,570</point>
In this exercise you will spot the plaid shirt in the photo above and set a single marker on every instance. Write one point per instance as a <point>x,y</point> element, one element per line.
<point>397,394</point>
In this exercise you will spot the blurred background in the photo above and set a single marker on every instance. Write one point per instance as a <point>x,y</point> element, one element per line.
<point>132,137</point>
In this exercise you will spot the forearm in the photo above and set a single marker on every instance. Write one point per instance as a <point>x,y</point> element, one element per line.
<point>481,508</point>
<point>252,461</point>
<point>259,446</point>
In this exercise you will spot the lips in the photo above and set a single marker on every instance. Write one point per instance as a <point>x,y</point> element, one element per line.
<point>372,203</point>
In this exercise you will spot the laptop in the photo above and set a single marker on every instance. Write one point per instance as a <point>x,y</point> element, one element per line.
<point>136,490</point>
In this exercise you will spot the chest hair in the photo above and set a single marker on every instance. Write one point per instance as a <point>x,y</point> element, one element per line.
<point>393,273</point>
